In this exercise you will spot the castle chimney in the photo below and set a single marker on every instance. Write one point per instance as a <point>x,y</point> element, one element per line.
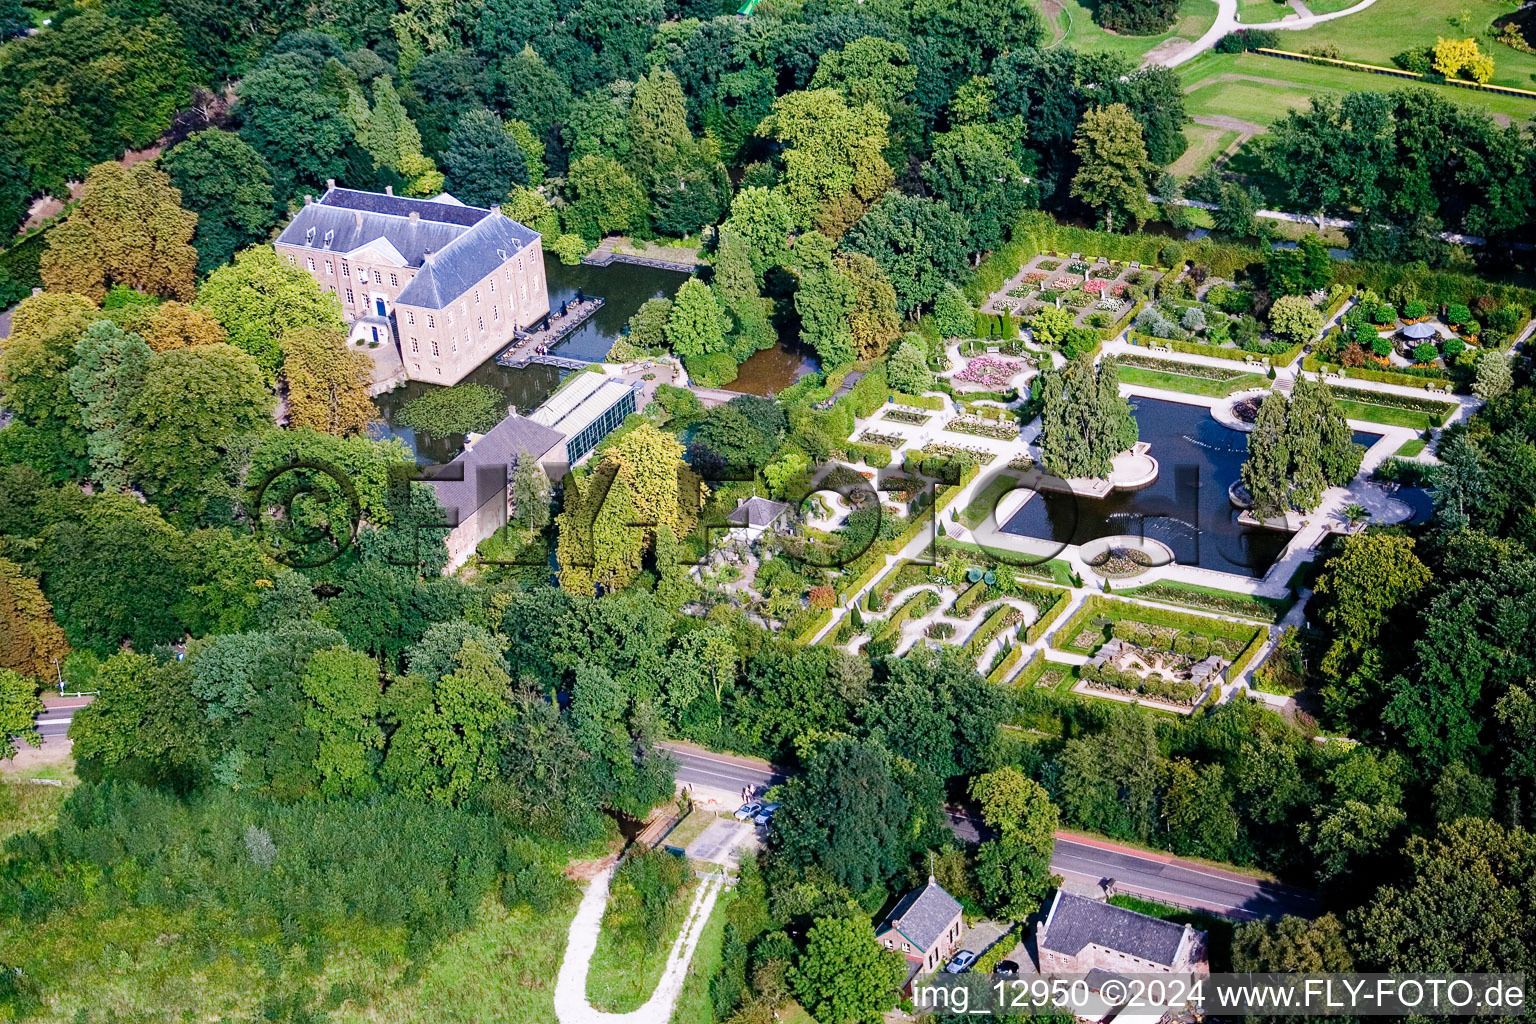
<point>414,216</point>
<point>429,256</point>
<point>330,183</point>
<point>389,190</point>
<point>358,214</point>
<point>308,199</point>
<point>495,209</point>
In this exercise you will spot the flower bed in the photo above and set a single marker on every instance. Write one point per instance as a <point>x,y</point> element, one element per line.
<point>915,419</point>
<point>983,428</point>
<point>884,440</point>
<point>1048,264</point>
<point>989,371</point>
<point>1162,690</point>
<point>949,451</point>
<point>1105,273</point>
<point>1078,267</point>
<point>1022,461</point>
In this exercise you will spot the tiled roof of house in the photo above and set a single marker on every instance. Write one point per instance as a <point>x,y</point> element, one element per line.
<point>923,914</point>
<point>1076,922</point>
<point>757,511</point>
<point>466,242</point>
<point>479,475</point>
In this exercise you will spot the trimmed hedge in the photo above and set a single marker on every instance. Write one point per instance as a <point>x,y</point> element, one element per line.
<point>1246,656</point>
<point>1411,403</point>
<point>931,402</point>
<point>1050,602</point>
<point>1000,619</point>
<point>815,626</point>
<point>1253,606</point>
<point>967,600</point>
<point>1313,364</point>
<point>918,604</point>
<point>875,456</point>
<point>1235,355</point>
<point>1000,671</point>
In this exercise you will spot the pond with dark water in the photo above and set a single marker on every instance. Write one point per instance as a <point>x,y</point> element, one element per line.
<point>623,287</point>
<point>1186,507</point>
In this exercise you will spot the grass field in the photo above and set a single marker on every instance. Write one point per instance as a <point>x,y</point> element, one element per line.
<point>1187,384</point>
<point>1210,599</point>
<point>1262,90</point>
<point>1413,418</point>
<point>982,506</point>
<point>1391,26</point>
<point>1205,145</point>
<point>622,977</point>
<point>1073,25</point>
<point>1410,448</point>
<point>693,1004</point>
<point>1252,12</point>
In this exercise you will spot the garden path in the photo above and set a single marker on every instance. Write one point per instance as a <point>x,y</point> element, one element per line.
<point>1226,21</point>
<point>571,1005</point>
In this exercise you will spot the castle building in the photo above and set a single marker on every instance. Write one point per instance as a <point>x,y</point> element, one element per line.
<point>447,285</point>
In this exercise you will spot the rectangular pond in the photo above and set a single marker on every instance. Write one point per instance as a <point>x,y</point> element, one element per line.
<point>1186,507</point>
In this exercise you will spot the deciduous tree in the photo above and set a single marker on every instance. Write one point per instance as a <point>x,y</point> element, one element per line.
<point>327,382</point>
<point>1014,868</point>
<point>229,186</point>
<point>843,975</point>
<point>260,297</point>
<point>128,229</point>
<point>484,161</point>
<point>19,707</point>
<point>34,644</point>
<point>1114,171</point>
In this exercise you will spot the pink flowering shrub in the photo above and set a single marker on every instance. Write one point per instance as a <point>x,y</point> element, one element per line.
<point>1095,286</point>
<point>989,371</point>
<point>1035,278</point>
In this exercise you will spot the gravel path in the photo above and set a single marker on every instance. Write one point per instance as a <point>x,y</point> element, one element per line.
<point>571,1006</point>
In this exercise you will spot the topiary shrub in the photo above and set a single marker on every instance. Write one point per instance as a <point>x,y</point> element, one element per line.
<point>711,371</point>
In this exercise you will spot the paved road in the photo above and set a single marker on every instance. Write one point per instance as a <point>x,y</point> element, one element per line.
<point>53,723</point>
<point>1082,859</point>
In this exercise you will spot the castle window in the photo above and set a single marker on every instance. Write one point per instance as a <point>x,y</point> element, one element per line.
<point>450,318</point>
<point>477,296</point>
<point>410,317</point>
<point>434,350</point>
<point>481,326</point>
<point>431,322</point>
<point>291,261</point>
<point>414,346</point>
<point>330,269</point>
<point>309,237</point>
<point>311,261</point>
<point>378,278</point>
<point>349,295</point>
<point>495,313</point>
<point>346,269</point>
<point>394,282</point>
<point>493,286</point>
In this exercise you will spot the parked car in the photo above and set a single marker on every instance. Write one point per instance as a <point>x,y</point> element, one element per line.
<point>1006,969</point>
<point>765,815</point>
<point>748,811</point>
<point>962,960</point>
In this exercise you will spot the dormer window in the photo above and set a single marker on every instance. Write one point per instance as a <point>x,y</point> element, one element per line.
<point>309,236</point>
<point>330,236</point>
<point>501,254</point>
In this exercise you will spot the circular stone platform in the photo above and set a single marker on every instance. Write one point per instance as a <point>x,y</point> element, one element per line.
<point>1223,413</point>
<point>1157,553</point>
<point>1237,494</point>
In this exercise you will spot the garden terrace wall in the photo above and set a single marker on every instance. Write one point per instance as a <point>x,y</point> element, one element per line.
<point>1236,355</point>
<point>1312,364</point>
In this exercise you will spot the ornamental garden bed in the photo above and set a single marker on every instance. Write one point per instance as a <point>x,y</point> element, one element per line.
<point>983,428</point>
<point>990,372</point>
<point>936,450</point>
<point>907,416</point>
<point>884,440</point>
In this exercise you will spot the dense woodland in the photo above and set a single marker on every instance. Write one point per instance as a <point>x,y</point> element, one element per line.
<point>301,767</point>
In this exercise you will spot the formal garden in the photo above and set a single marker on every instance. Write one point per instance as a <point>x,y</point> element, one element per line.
<point>1055,294</point>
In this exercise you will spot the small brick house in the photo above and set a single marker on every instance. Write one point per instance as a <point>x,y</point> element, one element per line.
<point>1080,935</point>
<point>925,927</point>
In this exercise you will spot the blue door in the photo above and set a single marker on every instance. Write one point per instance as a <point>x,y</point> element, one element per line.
<point>378,304</point>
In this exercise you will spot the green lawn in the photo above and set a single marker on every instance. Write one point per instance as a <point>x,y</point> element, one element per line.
<point>1418,420</point>
<point>1252,12</point>
<point>1210,599</point>
<point>1410,448</point>
<point>623,977</point>
<point>1205,145</point>
<point>1391,26</point>
<point>1262,90</point>
<point>1074,26</point>
<point>982,506</point>
<point>1188,384</point>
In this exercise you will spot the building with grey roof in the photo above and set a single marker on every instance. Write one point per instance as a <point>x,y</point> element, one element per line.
<point>1080,935</point>
<point>587,408</point>
<point>755,516</point>
<point>924,925</point>
<point>448,285</point>
<point>473,488</point>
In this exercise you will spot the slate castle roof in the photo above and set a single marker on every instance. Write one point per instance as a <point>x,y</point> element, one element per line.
<point>452,246</point>
<point>1076,922</point>
<point>480,473</point>
<point>922,915</point>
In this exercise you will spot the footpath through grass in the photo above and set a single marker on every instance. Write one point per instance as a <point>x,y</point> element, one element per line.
<point>648,905</point>
<point>1073,26</point>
